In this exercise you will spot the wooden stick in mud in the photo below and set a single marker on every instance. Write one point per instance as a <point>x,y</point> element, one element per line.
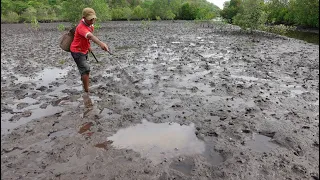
<point>94,57</point>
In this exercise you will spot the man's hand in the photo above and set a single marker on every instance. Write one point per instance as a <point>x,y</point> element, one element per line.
<point>104,46</point>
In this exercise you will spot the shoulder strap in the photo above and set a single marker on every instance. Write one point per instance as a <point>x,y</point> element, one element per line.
<point>87,25</point>
<point>73,30</point>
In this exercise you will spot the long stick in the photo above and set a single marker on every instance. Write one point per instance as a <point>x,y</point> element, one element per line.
<point>125,72</point>
<point>110,52</point>
<point>94,56</point>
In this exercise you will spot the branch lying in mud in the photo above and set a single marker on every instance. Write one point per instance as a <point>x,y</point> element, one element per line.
<point>4,151</point>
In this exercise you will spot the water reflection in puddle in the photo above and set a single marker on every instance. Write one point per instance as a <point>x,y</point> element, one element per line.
<point>45,77</point>
<point>185,166</point>
<point>295,92</point>
<point>246,78</point>
<point>239,102</point>
<point>28,100</point>
<point>158,142</point>
<point>261,143</point>
<point>36,113</point>
<point>59,91</point>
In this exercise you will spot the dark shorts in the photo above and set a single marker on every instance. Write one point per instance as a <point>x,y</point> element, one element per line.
<point>81,61</point>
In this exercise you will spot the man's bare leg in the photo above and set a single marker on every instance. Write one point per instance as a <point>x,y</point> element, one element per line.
<point>85,82</point>
<point>86,98</point>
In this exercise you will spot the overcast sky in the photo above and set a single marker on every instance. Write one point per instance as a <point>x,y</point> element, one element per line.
<point>218,3</point>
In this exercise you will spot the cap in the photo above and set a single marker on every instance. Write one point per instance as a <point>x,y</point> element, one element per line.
<point>89,13</point>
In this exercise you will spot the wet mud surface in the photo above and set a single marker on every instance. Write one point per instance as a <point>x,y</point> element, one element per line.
<point>208,102</point>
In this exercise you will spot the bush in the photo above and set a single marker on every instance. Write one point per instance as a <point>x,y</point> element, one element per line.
<point>42,14</point>
<point>97,26</point>
<point>138,13</point>
<point>127,13</point>
<point>170,15</point>
<point>72,10</point>
<point>121,13</point>
<point>61,27</point>
<point>29,14</point>
<point>11,17</point>
<point>117,14</point>
<point>35,24</point>
<point>145,24</point>
<point>278,29</point>
<point>251,15</point>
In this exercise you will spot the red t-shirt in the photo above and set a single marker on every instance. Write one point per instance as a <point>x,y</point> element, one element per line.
<point>80,42</point>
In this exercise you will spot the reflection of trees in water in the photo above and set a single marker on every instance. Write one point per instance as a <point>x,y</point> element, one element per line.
<point>306,36</point>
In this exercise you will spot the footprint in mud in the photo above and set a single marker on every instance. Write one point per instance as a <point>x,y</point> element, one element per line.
<point>22,105</point>
<point>87,101</point>
<point>104,145</point>
<point>86,112</point>
<point>59,101</point>
<point>85,127</point>
<point>17,117</point>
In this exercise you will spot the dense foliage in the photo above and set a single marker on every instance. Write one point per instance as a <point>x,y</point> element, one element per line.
<point>248,14</point>
<point>251,15</point>
<point>70,10</point>
<point>254,13</point>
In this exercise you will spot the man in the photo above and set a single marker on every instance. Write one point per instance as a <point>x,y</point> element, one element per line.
<point>80,47</point>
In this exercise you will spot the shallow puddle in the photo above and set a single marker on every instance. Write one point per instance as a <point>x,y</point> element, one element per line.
<point>239,102</point>
<point>36,113</point>
<point>45,77</point>
<point>27,100</point>
<point>295,92</point>
<point>246,78</point>
<point>212,156</point>
<point>59,91</point>
<point>159,142</point>
<point>261,143</point>
<point>185,166</point>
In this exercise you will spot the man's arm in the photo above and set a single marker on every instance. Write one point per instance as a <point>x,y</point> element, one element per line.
<point>98,42</point>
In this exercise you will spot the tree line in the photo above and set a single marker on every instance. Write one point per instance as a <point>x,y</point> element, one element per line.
<point>254,14</point>
<point>14,11</point>
<point>248,14</point>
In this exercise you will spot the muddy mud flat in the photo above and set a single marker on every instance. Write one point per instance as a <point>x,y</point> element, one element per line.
<point>210,102</point>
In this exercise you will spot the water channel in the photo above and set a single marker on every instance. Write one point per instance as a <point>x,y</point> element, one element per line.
<point>310,37</point>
